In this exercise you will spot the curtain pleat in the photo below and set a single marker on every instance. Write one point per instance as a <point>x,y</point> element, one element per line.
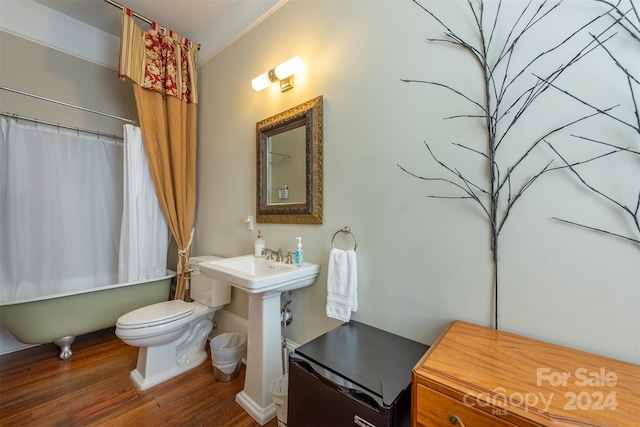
<point>158,59</point>
<point>144,235</point>
<point>169,133</point>
<point>60,211</point>
<point>131,47</point>
<point>165,89</point>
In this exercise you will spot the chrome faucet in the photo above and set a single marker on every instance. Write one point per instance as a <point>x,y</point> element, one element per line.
<point>268,253</point>
<point>289,258</point>
<point>271,254</point>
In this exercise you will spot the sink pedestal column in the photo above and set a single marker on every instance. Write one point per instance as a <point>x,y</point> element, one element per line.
<point>264,354</point>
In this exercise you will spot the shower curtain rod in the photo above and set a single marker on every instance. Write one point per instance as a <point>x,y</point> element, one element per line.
<point>148,21</point>
<point>59,126</point>
<point>8,89</point>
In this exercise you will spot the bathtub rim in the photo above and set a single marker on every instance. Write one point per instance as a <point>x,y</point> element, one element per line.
<point>170,274</point>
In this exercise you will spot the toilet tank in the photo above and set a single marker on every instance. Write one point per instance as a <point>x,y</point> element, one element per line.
<point>206,290</point>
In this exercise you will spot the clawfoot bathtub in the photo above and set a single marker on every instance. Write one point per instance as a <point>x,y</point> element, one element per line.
<point>60,318</point>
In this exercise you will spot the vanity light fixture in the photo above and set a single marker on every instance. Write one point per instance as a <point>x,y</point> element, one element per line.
<point>283,73</point>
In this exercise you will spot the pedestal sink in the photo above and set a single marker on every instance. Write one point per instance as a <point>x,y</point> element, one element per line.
<point>264,281</point>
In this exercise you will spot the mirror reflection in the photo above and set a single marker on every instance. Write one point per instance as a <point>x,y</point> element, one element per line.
<point>289,169</point>
<point>286,179</point>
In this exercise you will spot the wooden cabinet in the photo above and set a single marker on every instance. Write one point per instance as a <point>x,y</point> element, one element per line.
<point>474,376</point>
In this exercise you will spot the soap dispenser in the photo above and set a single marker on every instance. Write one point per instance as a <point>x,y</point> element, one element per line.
<point>259,245</point>
<point>298,259</point>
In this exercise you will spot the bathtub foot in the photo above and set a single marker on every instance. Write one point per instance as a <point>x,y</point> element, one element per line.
<point>65,346</point>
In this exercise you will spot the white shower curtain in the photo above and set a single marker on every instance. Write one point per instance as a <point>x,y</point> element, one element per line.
<point>144,236</point>
<point>60,210</point>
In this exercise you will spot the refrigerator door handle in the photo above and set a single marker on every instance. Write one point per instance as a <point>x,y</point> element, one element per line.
<point>358,395</point>
<point>364,398</point>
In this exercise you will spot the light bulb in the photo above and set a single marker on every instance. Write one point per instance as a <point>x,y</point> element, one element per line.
<point>261,82</point>
<point>288,68</point>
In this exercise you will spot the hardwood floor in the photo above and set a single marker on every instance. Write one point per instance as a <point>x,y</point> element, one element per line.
<point>93,388</point>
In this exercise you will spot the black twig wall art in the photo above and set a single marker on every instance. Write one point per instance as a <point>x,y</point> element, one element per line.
<point>514,78</point>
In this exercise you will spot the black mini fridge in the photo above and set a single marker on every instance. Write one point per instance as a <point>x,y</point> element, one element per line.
<point>354,375</point>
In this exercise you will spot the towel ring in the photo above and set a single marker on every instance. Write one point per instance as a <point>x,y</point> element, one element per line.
<point>345,229</point>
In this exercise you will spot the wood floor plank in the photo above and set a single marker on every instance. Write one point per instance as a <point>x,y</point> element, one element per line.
<point>93,389</point>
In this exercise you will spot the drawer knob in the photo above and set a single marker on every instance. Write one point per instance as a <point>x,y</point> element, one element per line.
<point>454,419</point>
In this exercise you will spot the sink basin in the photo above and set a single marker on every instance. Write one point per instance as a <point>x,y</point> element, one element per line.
<point>257,275</point>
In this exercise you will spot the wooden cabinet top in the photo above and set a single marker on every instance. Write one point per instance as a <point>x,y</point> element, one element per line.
<point>530,382</point>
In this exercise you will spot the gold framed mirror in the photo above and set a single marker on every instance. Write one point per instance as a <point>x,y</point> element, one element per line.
<point>289,169</point>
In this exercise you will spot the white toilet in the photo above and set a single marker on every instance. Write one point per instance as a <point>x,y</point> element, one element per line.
<point>172,335</point>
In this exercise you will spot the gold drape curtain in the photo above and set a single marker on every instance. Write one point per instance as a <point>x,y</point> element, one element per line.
<point>162,65</point>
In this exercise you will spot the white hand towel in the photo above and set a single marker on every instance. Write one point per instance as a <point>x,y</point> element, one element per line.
<point>342,284</point>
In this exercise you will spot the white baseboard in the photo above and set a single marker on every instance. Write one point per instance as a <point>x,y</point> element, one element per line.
<point>227,321</point>
<point>8,344</point>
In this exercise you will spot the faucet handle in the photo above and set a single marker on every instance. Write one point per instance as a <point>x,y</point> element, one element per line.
<point>289,258</point>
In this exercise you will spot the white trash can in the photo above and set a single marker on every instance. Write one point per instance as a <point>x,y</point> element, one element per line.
<point>279,389</point>
<point>226,355</point>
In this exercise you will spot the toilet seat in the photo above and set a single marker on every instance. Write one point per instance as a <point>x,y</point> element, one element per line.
<point>155,314</point>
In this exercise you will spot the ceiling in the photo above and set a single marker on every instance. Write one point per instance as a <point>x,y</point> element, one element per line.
<point>197,20</point>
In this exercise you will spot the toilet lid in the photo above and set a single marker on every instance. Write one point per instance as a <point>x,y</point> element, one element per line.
<point>155,314</point>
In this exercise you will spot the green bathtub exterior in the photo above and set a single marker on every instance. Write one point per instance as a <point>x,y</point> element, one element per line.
<point>45,320</point>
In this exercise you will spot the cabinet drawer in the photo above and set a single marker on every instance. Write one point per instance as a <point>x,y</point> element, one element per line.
<point>435,409</point>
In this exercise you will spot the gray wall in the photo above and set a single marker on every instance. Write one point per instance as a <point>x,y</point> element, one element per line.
<point>37,69</point>
<point>423,262</point>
